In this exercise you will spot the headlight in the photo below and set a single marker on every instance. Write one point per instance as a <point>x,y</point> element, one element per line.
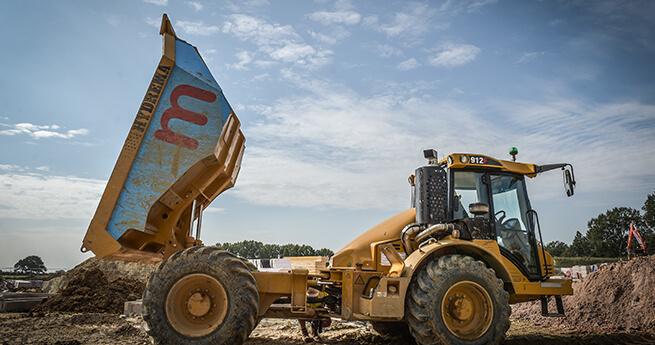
<point>464,159</point>
<point>450,160</point>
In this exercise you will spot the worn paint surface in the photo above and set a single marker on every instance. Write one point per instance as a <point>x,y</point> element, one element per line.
<point>184,129</point>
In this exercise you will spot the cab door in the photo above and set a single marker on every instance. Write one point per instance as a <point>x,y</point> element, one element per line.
<point>514,229</point>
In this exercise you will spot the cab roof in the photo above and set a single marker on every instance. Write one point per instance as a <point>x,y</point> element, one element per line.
<point>473,160</point>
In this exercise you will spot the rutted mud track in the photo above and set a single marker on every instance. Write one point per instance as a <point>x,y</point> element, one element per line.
<point>615,305</point>
<point>110,329</point>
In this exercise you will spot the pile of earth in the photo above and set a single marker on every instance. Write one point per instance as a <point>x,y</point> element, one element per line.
<point>112,269</point>
<point>89,291</point>
<point>96,286</point>
<point>616,297</point>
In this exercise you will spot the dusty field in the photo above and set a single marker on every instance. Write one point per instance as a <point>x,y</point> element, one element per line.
<point>615,305</point>
<point>110,329</point>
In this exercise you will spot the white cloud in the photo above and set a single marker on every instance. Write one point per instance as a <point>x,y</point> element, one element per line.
<point>452,55</point>
<point>48,197</point>
<point>157,2</point>
<point>334,148</point>
<point>245,58</point>
<point>526,57</point>
<point>197,28</point>
<point>332,37</point>
<point>385,51</point>
<point>261,33</point>
<point>195,5</point>
<point>343,5</point>
<point>344,17</point>
<point>279,42</point>
<point>40,132</point>
<point>476,5</point>
<point>292,52</point>
<point>408,64</point>
<point>246,6</point>
<point>337,149</point>
<point>153,22</point>
<point>10,167</point>
<point>415,20</point>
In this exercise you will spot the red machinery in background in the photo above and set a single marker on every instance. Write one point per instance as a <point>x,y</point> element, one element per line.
<point>639,251</point>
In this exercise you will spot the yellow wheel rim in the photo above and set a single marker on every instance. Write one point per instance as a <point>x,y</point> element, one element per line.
<point>467,310</point>
<point>196,305</point>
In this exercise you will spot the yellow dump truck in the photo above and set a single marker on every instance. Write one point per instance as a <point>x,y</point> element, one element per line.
<point>444,270</point>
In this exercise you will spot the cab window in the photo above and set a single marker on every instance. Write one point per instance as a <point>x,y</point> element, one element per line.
<point>511,207</point>
<point>468,189</point>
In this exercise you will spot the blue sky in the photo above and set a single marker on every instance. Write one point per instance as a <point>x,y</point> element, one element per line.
<point>337,101</point>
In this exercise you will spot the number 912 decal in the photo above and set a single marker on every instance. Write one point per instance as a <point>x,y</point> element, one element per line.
<point>483,160</point>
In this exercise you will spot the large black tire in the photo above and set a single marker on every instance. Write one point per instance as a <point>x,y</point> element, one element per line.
<point>456,300</point>
<point>200,296</point>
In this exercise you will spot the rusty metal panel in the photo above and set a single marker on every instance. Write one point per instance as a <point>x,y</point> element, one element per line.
<point>184,129</point>
<point>184,143</point>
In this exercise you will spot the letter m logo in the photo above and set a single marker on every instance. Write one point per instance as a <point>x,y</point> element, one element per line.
<point>176,112</point>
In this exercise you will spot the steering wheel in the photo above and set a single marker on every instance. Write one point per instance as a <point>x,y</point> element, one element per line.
<point>500,219</point>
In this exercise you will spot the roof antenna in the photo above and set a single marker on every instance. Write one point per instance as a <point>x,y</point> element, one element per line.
<point>513,151</point>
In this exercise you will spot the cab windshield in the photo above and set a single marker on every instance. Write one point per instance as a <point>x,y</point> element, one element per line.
<point>511,208</point>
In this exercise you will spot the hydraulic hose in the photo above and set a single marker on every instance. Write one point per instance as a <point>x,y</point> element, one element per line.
<point>436,229</point>
<point>409,231</point>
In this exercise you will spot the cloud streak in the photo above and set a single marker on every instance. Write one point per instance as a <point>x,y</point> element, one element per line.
<point>279,42</point>
<point>344,150</point>
<point>453,55</point>
<point>343,17</point>
<point>38,196</point>
<point>197,28</point>
<point>41,132</point>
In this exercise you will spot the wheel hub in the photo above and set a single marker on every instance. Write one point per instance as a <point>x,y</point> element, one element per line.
<point>467,310</point>
<point>199,304</point>
<point>462,308</point>
<point>196,305</point>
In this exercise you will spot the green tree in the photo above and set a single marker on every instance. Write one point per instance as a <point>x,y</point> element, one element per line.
<point>257,250</point>
<point>608,233</point>
<point>556,248</point>
<point>30,265</point>
<point>649,211</point>
<point>324,252</point>
<point>579,247</point>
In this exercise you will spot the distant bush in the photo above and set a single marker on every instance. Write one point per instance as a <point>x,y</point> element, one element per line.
<point>585,261</point>
<point>257,250</point>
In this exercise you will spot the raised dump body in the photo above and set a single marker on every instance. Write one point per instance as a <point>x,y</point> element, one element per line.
<point>183,150</point>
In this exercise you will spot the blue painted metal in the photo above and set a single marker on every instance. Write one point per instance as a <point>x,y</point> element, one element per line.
<point>184,129</point>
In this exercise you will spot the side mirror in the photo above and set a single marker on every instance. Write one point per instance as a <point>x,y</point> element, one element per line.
<point>569,183</point>
<point>479,209</point>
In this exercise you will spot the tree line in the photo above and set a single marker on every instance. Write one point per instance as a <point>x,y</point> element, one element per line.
<point>251,249</point>
<point>607,234</point>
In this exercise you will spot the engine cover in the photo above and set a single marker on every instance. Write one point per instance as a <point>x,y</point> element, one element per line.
<point>430,195</point>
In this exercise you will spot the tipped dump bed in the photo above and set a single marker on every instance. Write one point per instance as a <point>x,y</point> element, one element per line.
<point>184,145</point>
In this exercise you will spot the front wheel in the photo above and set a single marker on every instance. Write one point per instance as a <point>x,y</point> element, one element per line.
<point>201,296</point>
<point>455,300</point>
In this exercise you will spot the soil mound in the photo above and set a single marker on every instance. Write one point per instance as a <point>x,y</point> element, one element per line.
<point>89,291</point>
<point>616,297</point>
<point>112,269</point>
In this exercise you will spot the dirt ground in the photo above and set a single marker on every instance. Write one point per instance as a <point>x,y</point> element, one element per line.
<point>110,329</point>
<point>614,305</point>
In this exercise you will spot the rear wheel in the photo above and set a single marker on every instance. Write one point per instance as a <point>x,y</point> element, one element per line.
<point>457,300</point>
<point>201,295</point>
